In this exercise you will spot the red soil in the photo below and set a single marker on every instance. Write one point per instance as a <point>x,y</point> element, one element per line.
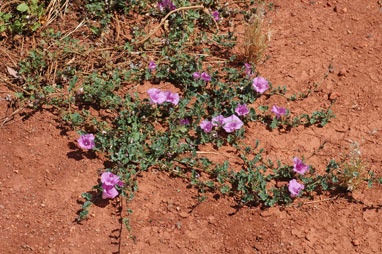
<point>43,172</point>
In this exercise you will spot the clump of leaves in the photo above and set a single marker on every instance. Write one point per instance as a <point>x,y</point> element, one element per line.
<point>22,17</point>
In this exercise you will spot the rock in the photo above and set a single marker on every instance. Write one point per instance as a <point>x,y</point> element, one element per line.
<point>266,213</point>
<point>344,10</point>
<point>184,214</point>
<point>333,96</point>
<point>342,72</point>
<point>355,242</point>
<point>270,211</point>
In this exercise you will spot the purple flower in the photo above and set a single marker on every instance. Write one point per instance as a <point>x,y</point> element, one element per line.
<point>205,77</point>
<point>232,123</point>
<point>184,121</point>
<point>196,75</point>
<point>279,111</point>
<point>160,6</point>
<point>152,66</point>
<point>248,69</point>
<point>260,84</point>
<point>215,15</point>
<point>172,97</point>
<point>206,126</point>
<point>242,110</point>
<point>109,191</point>
<point>156,96</point>
<point>109,180</point>
<point>299,166</point>
<point>218,120</point>
<point>295,187</point>
<point>166,4</point>
<point>86,141</point>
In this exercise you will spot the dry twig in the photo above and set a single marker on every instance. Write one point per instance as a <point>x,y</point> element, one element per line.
<point>168,15</point>
<point>201,152</point>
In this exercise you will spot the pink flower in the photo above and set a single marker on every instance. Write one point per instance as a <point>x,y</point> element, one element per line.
<point>218,120</point>
<point>295,187</point>
<point>172,97</point>
<point>299,166</point>
<point>196,75</point>
<point>184,121</point>
<point>215,15</point>
<point>109,191</point>
<point>242,110</point>
<point>86,141</point>
<point>152,66</point>
<point>205,77</point>
<point>279,111</point>
<point>156,96</point>
<point>206,126</point>
<point>232,123</point>
<point>109,180</point>
<point>260,84</point>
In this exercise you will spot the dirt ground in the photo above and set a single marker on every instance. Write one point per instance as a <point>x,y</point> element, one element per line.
<point>43,173</point>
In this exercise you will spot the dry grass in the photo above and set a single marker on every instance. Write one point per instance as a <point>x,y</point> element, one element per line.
<point>256,38</point>
<point>355,170</point>
<point>55,9</point>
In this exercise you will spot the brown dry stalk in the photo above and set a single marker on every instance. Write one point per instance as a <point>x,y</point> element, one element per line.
<point>201,152</point>
<point>55,9</point>
<point>315,201</point>
<point>7,118</point>
<point>75,29</point>
<point>168,15</point>
<point>13,85</point>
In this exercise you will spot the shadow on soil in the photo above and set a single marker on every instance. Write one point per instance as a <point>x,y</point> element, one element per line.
<point>79,154</point>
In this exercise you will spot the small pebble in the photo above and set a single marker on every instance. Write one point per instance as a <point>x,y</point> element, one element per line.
<point>342,72</point>
<point>183,214</point>
<point>356,242</point>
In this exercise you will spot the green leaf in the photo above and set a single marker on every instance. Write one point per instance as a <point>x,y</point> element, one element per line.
<point>263,108</point>
<point>86,204</point>
<point>274,123</point>
<point>23,7</point>
<point>224,189</point>
<point>324,184</point>
<point>87,196</point>
<point>370,183</point>
<point>82,215</point>
<point>49,89</point>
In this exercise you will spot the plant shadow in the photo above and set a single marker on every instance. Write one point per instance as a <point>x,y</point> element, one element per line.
<point>79,154</point>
